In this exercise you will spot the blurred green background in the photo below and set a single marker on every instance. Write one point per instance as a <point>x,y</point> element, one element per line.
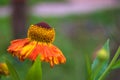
<point>76,35</point>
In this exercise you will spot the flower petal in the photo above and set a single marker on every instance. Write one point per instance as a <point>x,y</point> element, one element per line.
<point>48,53</point>
<point>17,45</point>
<point>26,50</point>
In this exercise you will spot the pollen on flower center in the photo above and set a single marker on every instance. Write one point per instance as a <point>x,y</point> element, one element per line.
<point>41,32</point>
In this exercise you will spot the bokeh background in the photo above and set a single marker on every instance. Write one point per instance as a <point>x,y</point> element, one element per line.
<point>81,26</point>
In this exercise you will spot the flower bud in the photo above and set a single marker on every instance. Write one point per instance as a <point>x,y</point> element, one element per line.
<point>102,54</point>
<point>4,69</point>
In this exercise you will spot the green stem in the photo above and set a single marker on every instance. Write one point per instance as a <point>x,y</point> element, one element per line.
<point>110,65</point>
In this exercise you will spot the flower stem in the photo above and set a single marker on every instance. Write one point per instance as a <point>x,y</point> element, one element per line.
<point>110,65</point>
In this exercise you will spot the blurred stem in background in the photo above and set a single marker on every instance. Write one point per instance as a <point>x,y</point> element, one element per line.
<point>19,18</point>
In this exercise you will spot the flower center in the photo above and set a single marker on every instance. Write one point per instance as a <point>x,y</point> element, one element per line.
<point>41,32</point>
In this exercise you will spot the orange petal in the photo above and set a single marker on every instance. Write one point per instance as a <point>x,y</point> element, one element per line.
<point>48,52</point>
<point>17,45</point>
<point>37,50</point>
<point>26,50</point>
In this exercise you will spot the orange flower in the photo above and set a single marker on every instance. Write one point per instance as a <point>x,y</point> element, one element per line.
<point>38,42</point>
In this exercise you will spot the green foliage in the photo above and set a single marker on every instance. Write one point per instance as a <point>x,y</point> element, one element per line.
<point>35,72</point>
<point>32,2</point>
<point>116,65</point>
<point>4,2</point>
<point>13,73</point>
<point>99,66</point>
<point>88,65</point>
<point>109,67</point>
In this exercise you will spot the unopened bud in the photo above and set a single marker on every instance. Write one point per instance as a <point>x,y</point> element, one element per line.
<point>102,54</point>
<point>4,69</point>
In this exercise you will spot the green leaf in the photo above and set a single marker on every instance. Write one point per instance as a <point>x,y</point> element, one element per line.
<point>13,72</point>
<point>116,65</point>
<point>35,72</point>
<point>98,65</point>
<point>106,46</point>
<point>88,66</point>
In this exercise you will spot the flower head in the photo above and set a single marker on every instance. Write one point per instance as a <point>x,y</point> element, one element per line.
<point>38,42</point>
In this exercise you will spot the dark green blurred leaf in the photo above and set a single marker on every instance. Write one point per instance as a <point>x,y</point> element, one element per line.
<point>88,64</point>
<point>13,73</point>
<point>35,72</point>
<point>99,66</point>
<point>33,2</point>
<point>4,2</point>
